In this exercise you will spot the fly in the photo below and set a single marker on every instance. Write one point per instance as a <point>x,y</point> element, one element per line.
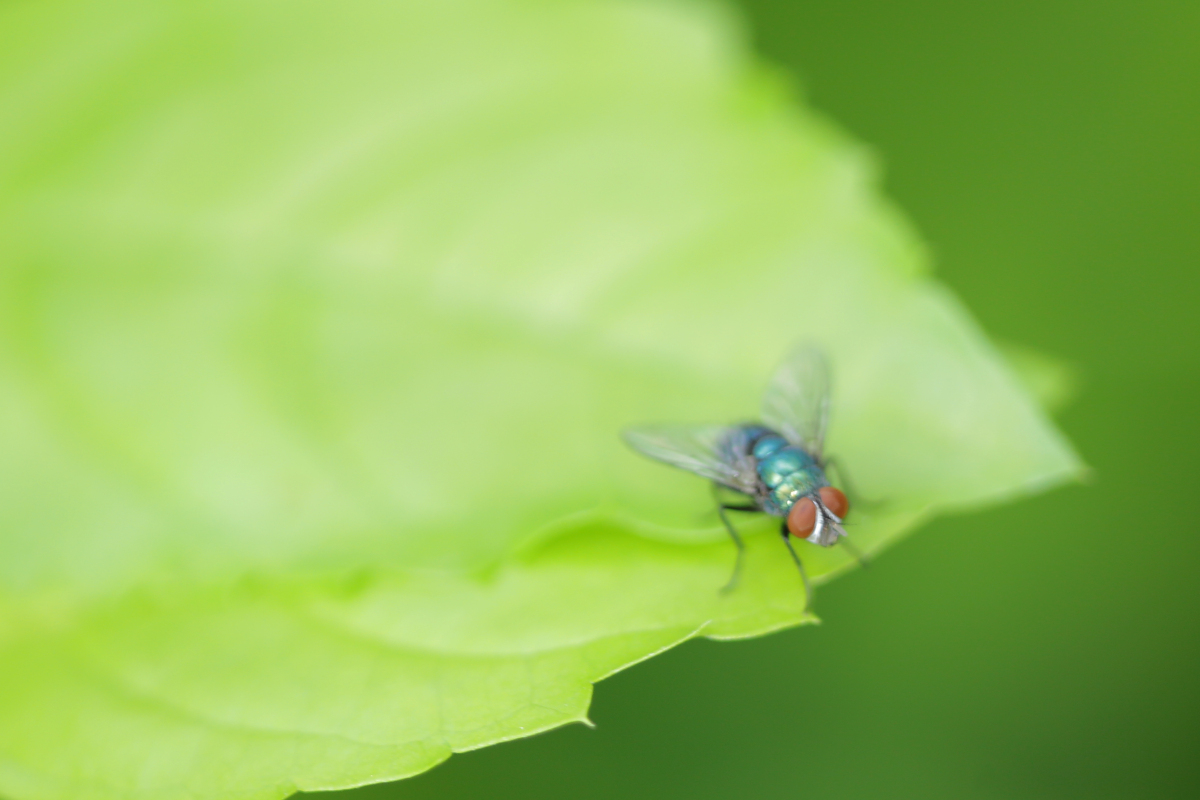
<point>776,466</point>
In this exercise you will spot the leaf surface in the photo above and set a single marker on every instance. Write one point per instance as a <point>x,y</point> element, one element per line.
<point>318,325</point>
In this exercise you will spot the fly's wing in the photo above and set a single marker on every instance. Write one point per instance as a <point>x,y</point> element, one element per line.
<point>797,401</point>
<point>701,449</point>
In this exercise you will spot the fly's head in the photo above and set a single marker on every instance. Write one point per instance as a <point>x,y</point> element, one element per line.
<point>817,517</point>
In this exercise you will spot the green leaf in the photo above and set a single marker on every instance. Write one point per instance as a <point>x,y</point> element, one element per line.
<point>318,324</point>
<point>1052,381</point>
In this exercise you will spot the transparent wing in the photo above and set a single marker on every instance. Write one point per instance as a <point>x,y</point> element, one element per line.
<point>701,449</point>
<point>797,402</point>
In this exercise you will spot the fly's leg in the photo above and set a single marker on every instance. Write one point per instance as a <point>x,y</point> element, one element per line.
<point>733,534</point>
<point>856,499</point>
<point>799,565</point>
<point>863,561</point>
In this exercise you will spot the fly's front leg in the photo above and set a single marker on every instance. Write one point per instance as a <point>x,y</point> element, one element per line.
<point>722,507</point>
<point>856,499</point>
<point>787,540</point>
<point>844,542</point>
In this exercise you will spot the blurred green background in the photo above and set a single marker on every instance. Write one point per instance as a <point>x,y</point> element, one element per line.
<point>1048,153</point>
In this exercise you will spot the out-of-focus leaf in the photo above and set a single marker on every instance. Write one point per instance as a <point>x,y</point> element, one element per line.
<point>1052,381</point>
<point>318,322</point>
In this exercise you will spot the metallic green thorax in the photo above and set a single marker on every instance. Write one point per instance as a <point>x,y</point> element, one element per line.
<point>787,472</point>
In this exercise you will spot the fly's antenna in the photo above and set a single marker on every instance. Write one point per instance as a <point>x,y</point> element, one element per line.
<point>825,519</point>
<point>819,528</point>
<point>838,524</point>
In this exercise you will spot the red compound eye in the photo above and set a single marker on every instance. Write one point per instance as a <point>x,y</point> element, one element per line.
<point>835,500</point>
<point>803,517</point>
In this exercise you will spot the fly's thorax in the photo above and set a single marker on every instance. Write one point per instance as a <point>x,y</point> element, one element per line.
<point>787,473</point>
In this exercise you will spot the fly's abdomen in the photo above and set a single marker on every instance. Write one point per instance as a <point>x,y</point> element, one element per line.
<point>787,472</point>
